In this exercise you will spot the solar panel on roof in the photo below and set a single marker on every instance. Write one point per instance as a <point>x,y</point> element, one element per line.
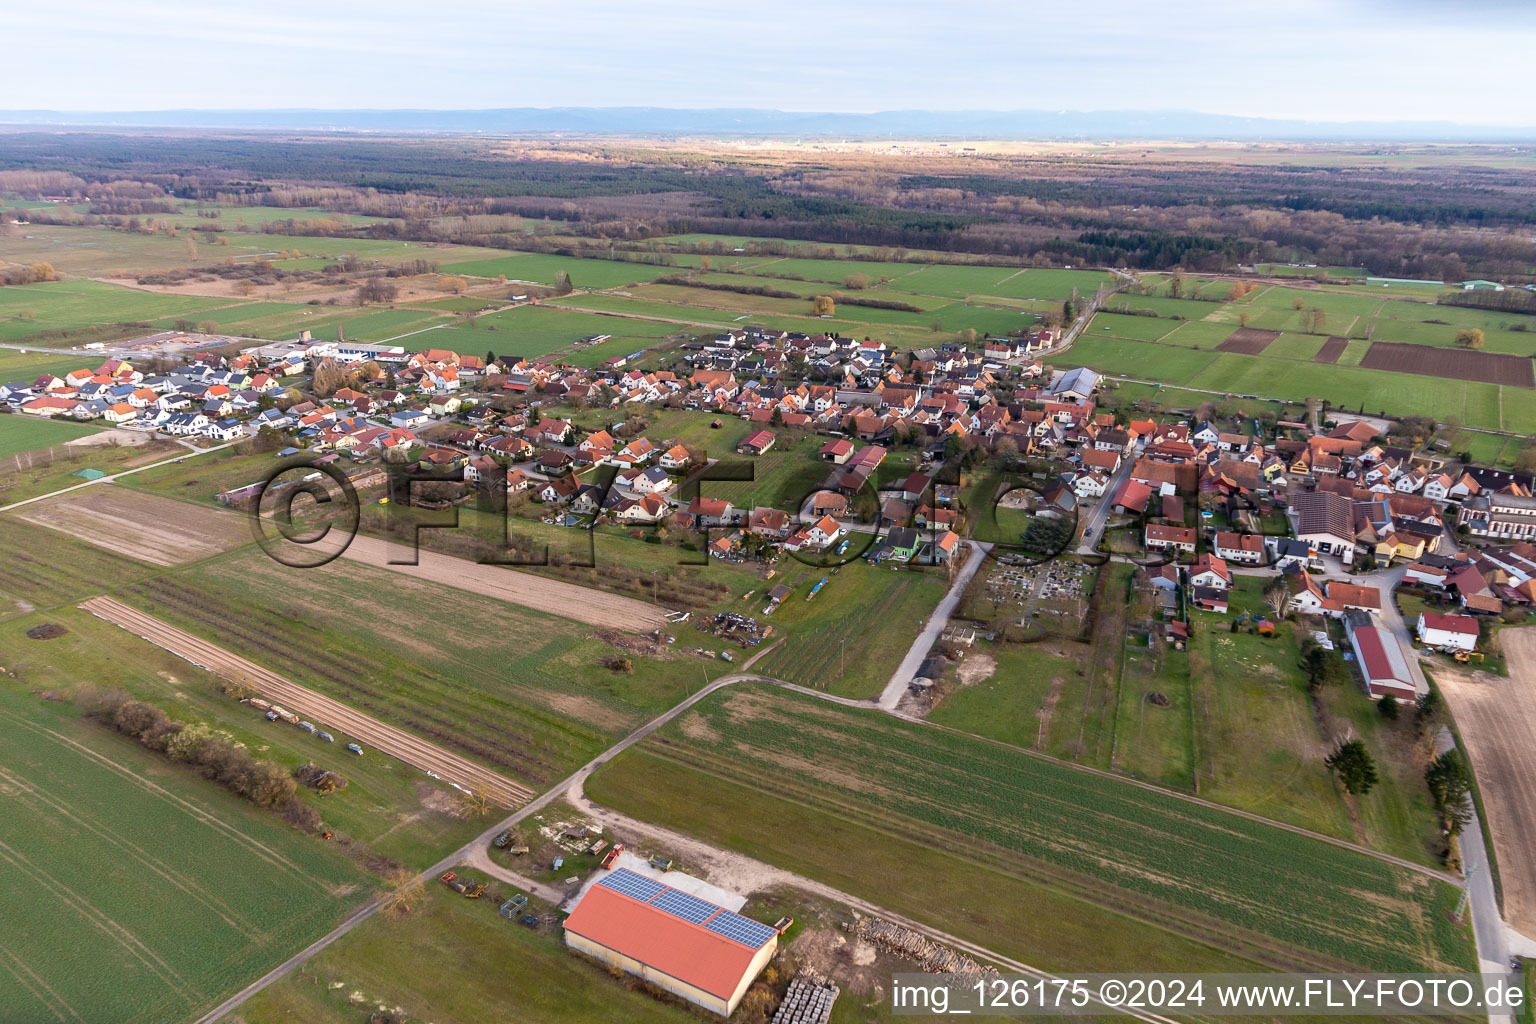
<point>750,933</point>
<point>630,884</point>
<point>686,906</point>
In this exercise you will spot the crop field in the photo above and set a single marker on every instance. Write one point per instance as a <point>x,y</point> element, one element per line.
<point>1248,341</point>
<point>850,637</point>
<point>517,689</point>
<point>28,366</point>
<point>1162,305</point>
<point>1304,347</point>
<point>90,251</point>
<point>43,568</point>
<point>1045,283</point>
<point>389,806</point>
<point>137,892</point>
<point>534,331</point>
<point>1432,362</point>
<point>28,433</point>
<point>1341,303</point>
<point>1136,359</point>
<point>1206,334</point>
<point>1331,350</point>
<point>1132,328</point>
<point>1346,385</point>
<point>282,320</point>
<point>70,305</point>
<point>144,526</point>
<point>1188,865</point>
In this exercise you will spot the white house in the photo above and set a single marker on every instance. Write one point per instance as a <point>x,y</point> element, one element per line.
<point>1210,571</point>
<point>1455,631</point>
<point>1090,485</point>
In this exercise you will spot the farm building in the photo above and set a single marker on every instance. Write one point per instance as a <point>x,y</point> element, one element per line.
<point>1457,631</point>
<point>1381,659</point>
<point>756,443</point>
<point>672,939</point>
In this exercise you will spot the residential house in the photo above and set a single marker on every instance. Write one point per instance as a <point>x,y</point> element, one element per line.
<point>756,443</point>
<point>1458,632</point>
<point>1324,520</point>
<point>1162,537</point>
<point>1240,547</point>
<point>1210,571</point>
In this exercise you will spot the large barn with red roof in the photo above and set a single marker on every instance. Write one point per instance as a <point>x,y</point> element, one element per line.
<point>673,939</point>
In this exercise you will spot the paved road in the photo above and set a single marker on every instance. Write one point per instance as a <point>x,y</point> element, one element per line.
<point>1496,941</point>
<point>1093,529</point>
<point>907,670</point>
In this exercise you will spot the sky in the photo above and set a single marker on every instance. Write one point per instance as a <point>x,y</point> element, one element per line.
<point>1327,60</point>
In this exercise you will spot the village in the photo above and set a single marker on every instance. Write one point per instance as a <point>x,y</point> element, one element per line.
<point>868,450</point>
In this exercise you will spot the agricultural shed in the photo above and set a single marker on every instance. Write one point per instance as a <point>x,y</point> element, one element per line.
<point>689,946</point>
<point>1381,659</point>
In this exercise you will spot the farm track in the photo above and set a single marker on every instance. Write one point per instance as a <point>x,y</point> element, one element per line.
<point>386,738</point>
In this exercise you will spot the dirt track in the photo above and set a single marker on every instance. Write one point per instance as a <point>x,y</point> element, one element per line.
<point>1497,719</point>
<point>554,597</point>
<point>306,703</point>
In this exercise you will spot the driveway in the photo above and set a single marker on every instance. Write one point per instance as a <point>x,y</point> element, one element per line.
<point>907,670</point>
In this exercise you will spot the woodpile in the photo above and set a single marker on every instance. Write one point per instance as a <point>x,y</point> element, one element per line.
<point>808,1001</point>
<point>928,955</point>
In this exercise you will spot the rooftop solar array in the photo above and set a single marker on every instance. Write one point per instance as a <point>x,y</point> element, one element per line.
<point>630,884</point>
<point>690,908</point>
<point>686,906</point>
<point>750,933</point>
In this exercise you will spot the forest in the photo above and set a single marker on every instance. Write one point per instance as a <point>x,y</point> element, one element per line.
<point>1445,213</point>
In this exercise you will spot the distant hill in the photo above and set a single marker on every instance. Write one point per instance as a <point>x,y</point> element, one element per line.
<point>998,124</point>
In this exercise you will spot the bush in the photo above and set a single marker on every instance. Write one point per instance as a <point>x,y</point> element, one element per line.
<point>214,757</point>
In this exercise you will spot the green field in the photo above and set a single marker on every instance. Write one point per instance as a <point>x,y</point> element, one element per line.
<point>1345,385</point>
<point>541,268</point>
<point>136,892</point>
<point>22,433</point>
<point>70,305</point>
<point>864,621</point>
<point>44,568</point>
<point>1181,864</point>
<point>534,331</point>
<point>527,696</point>
<point>456,962</point>
<point>282,320</point>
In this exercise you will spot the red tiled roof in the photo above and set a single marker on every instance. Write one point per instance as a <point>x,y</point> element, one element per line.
<point>688,952</point>
<point>1451,623</point>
